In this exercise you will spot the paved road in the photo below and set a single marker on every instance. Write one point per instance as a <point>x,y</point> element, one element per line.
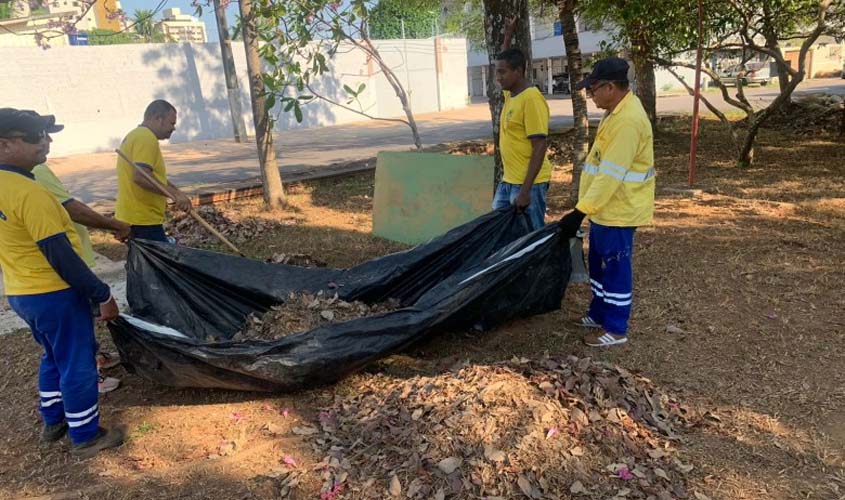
<point>91,177</point>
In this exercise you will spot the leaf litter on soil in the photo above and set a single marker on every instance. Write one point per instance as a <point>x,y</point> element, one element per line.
<point>484,432</point>
<point>304,311</point>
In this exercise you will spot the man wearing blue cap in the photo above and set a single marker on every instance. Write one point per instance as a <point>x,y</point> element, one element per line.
<point>50,287</point>
<point>617,194</point>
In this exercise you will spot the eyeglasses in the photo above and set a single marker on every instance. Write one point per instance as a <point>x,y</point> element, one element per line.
<point>591,90</point>
<point>30,138</point>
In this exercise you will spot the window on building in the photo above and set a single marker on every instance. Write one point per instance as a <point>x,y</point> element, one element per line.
<point>558,28</point>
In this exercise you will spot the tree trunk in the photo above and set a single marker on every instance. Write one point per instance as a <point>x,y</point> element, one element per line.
<point>646,85</point>
<point>271,179</point>
<point>581,123</point>
<point>495,14</point>
<point>232,86</point>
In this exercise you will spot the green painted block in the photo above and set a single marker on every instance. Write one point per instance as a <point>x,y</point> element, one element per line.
<point>422,195</point>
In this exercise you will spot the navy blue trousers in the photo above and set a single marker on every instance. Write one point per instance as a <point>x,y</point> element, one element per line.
<point>611,276</point>
<point>67,379</point>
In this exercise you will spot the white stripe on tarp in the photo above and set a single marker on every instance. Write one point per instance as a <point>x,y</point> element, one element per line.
<point>596,283</point>
<point>81,413</point>
<point>80,423</point>
<point>49,394</point>
<point>512,257</point>
<point>45,404</point>
<point>617,302</point>
<point>152,327</point>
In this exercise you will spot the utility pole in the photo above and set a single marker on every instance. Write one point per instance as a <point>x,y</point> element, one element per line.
<point>232,86</point>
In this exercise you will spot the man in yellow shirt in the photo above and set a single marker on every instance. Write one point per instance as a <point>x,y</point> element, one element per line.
<point>84,217</point>
<point>617,194</point>
<point>523,128</point>
<point>50,287</point>
<point>139,202</point>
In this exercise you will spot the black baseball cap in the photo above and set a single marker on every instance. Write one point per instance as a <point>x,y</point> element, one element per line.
<point>610,69</point>
<point>14,122</point>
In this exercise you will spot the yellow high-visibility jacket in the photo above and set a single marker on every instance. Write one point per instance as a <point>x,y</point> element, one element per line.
<point>617,181</point>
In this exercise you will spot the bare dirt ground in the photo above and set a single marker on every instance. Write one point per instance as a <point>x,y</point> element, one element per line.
<point>737,319</point>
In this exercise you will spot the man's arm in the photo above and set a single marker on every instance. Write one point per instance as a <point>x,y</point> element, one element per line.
<point>510,28</point>
<point>538,154</point>
<point>151,184</point>
<point>83,214</point>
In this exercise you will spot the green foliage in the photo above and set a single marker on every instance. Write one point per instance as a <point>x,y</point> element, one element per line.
<point>386,19</point>
<point>144,26</point>
<point>5,10</point>
<point>300,38</point>
<point>100,36</point>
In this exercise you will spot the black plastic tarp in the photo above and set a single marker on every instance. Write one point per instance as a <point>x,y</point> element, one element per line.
<point>484,272</point>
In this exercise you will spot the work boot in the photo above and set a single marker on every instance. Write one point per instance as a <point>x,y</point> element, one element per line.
<point>105,439</point>
<point>52,433</point>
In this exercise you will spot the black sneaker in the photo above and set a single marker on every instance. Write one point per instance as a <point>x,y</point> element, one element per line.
<point>52,433</point>
<point>106,438</point>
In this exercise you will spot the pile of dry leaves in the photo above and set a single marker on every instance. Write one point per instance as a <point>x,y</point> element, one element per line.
<point>189,232</point>
<point>302,312</point>
<point>555,428</point>
<point>811,115</point>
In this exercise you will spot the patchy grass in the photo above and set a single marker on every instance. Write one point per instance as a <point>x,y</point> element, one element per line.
<point>749,274</point>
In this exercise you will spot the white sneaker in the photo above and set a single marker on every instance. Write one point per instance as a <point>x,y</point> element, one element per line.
<point>587,322</point>
<point>107,384</point>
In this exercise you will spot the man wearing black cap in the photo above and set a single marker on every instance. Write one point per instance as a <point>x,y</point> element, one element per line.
<point>50,287</point>
<point>617,194</point>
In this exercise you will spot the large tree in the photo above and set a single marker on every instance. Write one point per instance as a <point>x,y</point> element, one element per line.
<point>301,37</point>
<point>740,26</point>
<point>645,30</point>
<point>574,62</point>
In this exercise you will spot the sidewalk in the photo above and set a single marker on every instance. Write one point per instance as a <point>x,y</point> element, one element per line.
<point>212,166</point>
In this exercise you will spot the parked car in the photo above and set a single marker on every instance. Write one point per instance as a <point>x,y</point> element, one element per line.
<point>560,83</point>
<point>755,72</point>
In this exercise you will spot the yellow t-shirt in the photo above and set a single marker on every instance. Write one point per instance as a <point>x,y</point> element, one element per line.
<point>29,214</point>
<point>618,179</point>
<point>524,116</point>
<point>136,205</point>
<point>46,177</point>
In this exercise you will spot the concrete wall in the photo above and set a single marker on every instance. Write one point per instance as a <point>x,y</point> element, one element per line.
<point>100,92</point>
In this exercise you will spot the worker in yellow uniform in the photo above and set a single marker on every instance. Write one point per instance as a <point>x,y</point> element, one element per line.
<point>139,201</point>
<point>523,129</point>
<point>84,217</point>
<point>49,286</point>
<point>617,195</point>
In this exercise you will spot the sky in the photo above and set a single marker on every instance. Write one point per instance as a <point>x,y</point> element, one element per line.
<point>129,6</point>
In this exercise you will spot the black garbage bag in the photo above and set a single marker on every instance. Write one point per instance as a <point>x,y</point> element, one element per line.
<point>484,272</point>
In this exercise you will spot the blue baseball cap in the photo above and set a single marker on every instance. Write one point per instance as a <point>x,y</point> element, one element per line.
<point>610,69</point>
<point>27,122</point>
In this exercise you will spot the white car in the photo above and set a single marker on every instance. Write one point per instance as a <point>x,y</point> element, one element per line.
<point>755,72</point>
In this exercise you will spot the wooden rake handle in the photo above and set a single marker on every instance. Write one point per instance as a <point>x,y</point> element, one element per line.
<point>164,192</point>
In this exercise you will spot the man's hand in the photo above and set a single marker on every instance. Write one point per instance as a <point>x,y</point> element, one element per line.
<point>510,25</point>
<point>571,222</point>
<point>522,200</point>
<point>121,230</point>
<point>182,202</point>
<point>108,310</point>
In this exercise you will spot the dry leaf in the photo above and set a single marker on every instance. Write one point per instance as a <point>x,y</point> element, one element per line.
<point>448,465</point>
<point>493,454</point>
<point>304,431</point>
<point>576,451</point>
<point>525,486</point>
<point>661,473</point>
<point>395,488</point>
<point>577,488</point>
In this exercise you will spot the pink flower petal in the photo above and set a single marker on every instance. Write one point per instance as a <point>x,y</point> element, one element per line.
<point>289,460</point>
<point>552,433</point>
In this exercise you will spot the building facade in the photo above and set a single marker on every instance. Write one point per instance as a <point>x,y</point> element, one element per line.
<point>178,27</point>
<point>30,24</point>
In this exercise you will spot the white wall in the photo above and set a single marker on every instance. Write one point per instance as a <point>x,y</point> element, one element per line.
<point>99,92</point>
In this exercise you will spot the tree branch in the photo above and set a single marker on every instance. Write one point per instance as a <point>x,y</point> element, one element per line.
<point>349,108</point>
